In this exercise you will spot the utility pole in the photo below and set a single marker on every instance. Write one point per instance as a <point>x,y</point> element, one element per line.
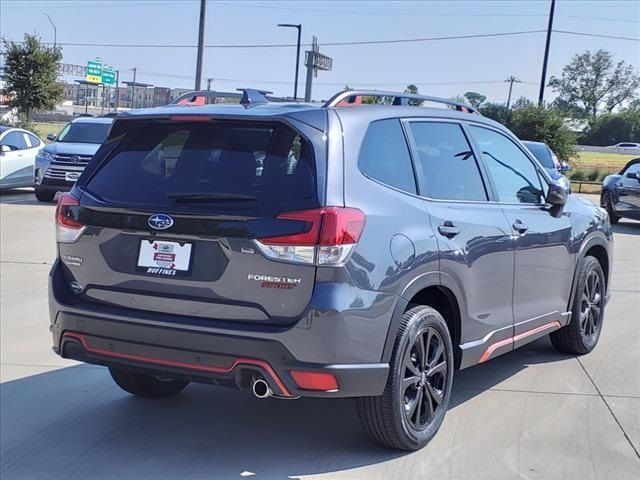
<point>209,80</point>
<point>543,80</point>
<point>511,81</point>
<point>55,31</point>
<point>203,9</point>
<point>299,27</point>
<point>133,89</point>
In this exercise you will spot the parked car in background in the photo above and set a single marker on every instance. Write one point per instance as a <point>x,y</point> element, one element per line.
<point>18,150</point>
<point>550,162</point>
<point>621,192</point>
<point>322,251</point>
<point>626,145</point>
<point>59,164</point>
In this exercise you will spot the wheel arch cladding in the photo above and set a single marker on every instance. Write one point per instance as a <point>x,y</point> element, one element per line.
<point>595,247</point>
<point>441,299</point>
<point>600,254</point>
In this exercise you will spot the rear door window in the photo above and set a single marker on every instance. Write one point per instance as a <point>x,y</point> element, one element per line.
<point>447,167</point>
<point>229,164</point>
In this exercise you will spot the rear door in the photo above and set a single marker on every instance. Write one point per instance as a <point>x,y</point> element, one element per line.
<point>474,238</point>
<point>544,264</point>
<point>172,212</point>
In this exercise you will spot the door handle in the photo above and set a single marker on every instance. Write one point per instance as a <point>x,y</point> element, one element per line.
<point>520,227</point>
<point>448,229</point>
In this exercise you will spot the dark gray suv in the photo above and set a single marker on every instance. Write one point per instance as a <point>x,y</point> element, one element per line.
<point>335,250</point>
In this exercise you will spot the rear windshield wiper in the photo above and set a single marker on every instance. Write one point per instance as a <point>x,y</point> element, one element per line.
<point>209,197</point>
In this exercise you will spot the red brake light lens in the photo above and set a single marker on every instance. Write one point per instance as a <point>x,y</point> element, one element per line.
<point>329,236</point>
<point>341,226</point>
<point>329,226</point>
<point>63,217</point>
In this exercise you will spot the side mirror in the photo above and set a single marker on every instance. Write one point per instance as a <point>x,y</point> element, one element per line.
<point>5,148</point>
<point>564,167</point>
<point>557,194</point>
<point>52,137</point>
<point>633,175</point>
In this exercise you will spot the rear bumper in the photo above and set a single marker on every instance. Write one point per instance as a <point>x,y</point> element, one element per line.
<point>93,335</point>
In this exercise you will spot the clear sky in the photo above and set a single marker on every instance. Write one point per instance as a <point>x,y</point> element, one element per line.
<point>444,68</point>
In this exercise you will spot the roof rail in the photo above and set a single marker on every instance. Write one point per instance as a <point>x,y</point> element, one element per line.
<point>399,98</point>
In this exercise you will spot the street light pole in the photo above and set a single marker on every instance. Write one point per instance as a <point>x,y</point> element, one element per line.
<point>203,11</point>
<point>299,27</point>
<point>55,30</point>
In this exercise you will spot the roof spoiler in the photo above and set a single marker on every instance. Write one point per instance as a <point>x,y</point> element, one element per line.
<point>249,97</point>
<point>351,97</point>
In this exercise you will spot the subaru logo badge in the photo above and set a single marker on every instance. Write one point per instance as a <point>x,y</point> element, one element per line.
<point>75,159</point>
<point>160,221</point>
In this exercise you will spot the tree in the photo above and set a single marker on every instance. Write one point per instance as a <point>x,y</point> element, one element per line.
<point>475,99</point>
<point>612,128</point>
<point>411,88</point>
<point>546,125</point>
<point>498,112</point>
<point>31,70</point>
<point>592,82</point>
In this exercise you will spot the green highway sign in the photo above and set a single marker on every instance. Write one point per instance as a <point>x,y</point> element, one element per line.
<point>94,71</point>
<point>108,76</point>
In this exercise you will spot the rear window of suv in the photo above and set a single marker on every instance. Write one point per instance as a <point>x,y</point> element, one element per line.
<point>229,164</point>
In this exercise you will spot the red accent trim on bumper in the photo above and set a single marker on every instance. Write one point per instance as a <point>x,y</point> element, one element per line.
<point>511,340</point>
<point>191,366</point>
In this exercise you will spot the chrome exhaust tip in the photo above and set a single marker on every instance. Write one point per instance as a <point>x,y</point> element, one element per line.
<point>261,388</point>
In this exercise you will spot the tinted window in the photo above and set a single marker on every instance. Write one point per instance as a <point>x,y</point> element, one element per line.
<point>449,169</point>
<point>384,155</point>
<point>542,153</point>
<point>266,164</point>
<point>633,168</point>
<point>35,141</point>
<point>15,140</point>
<point>514,175</point>
<point>80,132</point>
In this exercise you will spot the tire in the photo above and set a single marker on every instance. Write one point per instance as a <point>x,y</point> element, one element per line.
<point>385,418</point>
<point>581,335</point>
<point>146,386</point>
<point>608,205</point>
<point>45,195</point>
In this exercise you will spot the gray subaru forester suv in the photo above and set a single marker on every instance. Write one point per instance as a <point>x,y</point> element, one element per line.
<point>336,250</point>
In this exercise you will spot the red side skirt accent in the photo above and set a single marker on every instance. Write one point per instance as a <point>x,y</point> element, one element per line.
<point>191,366</point>
<point>509,341</point>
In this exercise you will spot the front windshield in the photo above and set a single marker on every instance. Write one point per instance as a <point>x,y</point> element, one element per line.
<point>542,154</point>
<point>84,133</point>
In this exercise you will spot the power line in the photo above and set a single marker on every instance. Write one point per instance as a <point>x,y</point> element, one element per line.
<point>582,34</point>
<point>346,43</point>
<point>350,82</point>
<point>287,45</point>
<point>153,3</point>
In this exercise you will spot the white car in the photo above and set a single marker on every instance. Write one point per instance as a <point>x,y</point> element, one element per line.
<point>626,145</point>
<point>18,149</point>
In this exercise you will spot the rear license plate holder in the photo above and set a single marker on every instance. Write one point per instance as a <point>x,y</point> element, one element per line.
<point>164,258</point>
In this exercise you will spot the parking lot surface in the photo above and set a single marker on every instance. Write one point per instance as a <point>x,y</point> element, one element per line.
<point>531,414</point>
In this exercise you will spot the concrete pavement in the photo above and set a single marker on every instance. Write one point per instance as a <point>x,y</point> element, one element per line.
<point>531,414</point>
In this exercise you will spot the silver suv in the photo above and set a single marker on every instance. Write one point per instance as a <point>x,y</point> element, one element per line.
<point>59,164</point>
